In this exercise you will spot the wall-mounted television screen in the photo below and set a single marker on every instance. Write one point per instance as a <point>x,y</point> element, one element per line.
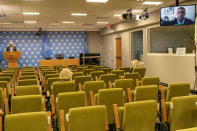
<point>178,15</point>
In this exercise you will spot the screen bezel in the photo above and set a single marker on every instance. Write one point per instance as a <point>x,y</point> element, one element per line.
<point>178,6</point>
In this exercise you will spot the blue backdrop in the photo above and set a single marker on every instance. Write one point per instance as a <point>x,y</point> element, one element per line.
<point>69,43</point>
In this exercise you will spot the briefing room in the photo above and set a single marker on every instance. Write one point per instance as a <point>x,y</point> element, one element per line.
<point>98,65</point>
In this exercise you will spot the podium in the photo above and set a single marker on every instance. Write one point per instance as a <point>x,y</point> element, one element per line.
<point>12,58</point>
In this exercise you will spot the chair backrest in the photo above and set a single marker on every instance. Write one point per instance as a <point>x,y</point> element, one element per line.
<point>140,116</point>
<point>27,82</point>
<point>6,78</point>
<point>94,86</point>
<point>188,129</point>
<point>81,79</point>
<point>125,69</point>
<point>34,121</point>
<point>146,93</point>
<point>62,86</point>
<point>77,74</point>
<point>48,72</point>
<point>107,70</point>
<point>47,76</point>
<point>109,97</point>
<point>27,90</point>
<point>28,77</point>
<point>91,118</point>
<point>134,75</point>
<point>50,82</point>
<point>80,69</point>
<point>125,84</point>
<point>183,111</point>
<point>27,73</point>
<point>150,81</point>
<point>4,84</point>
<point>98,68</point>
<point>6,74</point>
<point>97,74</point>
<point>118,73</point>
<point>177,89</point>
<point>108,77</point>
<point>22,104</point>
<point>87,71</point>
<point>140,70</point>
<point>1,99</point>
<point>91,66</point>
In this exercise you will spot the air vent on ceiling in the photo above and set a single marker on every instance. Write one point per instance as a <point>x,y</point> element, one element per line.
<point>102,17</point>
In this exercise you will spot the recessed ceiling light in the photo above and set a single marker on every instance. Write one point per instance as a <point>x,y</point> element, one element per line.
<point>96,1</point>
<point>117,15</point>
<point>79,14</point>
<point>68,22</point>
<point>152,3</point>
<point>30,22</point>
<point>5,23</point>
<point>31,13</point>
<point>102,22</point>
<point>137,11</point>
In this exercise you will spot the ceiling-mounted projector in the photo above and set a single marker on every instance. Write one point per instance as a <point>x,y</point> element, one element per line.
<point>144,15</point>
<point>127,15</point>
<point>39,33</point>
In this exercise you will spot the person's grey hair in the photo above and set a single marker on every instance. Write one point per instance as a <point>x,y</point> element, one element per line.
<point>181,8</point>
<point>66,74</point>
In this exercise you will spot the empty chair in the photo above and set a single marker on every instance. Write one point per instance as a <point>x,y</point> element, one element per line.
<point>72,67</point>
<point>79,80</point>
<point>134,75</point>
<point>80,69</point>
<point>68,100</point>
<point>27,90</point>
<point>150,81</point>
<point>87,71</point>
<point>4,85</point>
<point>108,79</point>
<point>27,82</point>
<point>92,118</point>
<point>28,77</point>
<point>183,112</point>
<point>98,68</point>
<point>27,73</point>
<point>50,82</point>
<point>125,84</point>
<point>91,66</point>
<point>119,73</point>
<point>140,70</point>
<point>91,88</point>
<point>125,69</point>
<point>188,129</point>
<point>107,70</point>
<point>29,103</point>
<point>34,121</point>
<point>137,116</point>
<point>109,97</point>
<point>76,74</point>
<point>96,74</point>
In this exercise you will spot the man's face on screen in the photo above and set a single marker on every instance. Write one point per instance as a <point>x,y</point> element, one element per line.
<point>180,14</point>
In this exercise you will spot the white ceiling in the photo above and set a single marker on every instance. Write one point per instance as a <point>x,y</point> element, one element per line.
<point>53,12</point>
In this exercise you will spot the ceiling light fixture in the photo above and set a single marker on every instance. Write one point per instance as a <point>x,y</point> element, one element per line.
<point>117,15</point>
<point>31,13</point>
<point>5,23</point>
<point>152,3</point>
<point>30,22</point>
<point>78,14</point>
<point>102,22</point>
<point>68,22</point>
<point>97,1</point>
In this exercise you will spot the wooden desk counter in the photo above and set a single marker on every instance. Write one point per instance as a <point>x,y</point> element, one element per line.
<point>64,62</point>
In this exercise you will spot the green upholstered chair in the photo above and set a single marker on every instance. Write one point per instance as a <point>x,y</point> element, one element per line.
<point>149,92</point>
<point>108,78</point>
<point>79,80</point>
<point>107,70</point>
<point>29,103</point>
<point>134,75</point>
<point>80,69</point>
<point>93,86</point>
<point>7,74</point>
<point>48,72</point>
<point>4,85</point>
<point>1,99</point>
<point>91,66</point>
<point>125,69</point>
<point>188,129</point>
<point>177,89</point>
<point>98,68</point>
<point>28,77</point>
<point>125,84</point>
<point>68,100</point>
<point>50,82</point>
<point>28,70</point>
<point>27,82</point>
<point>109,97</point>
<point>96,74</point>
<point>138,116</point>
<point>88,71</point>
<point>47,76</point>
<point>28,67</point>
<point>72,67</point>
<point>62,86</point>
<point>76,74</point>
<point>183,111</point>
<point>92,118</point>
<point>27,73</point>
<point>150,81</point>
<point>140,70</point>
<point>34,121</point>
<point>119,73</point>
<point>7,78</point>
<point>27,90</point>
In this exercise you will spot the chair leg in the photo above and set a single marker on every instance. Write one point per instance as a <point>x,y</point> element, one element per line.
<point>62,121</point>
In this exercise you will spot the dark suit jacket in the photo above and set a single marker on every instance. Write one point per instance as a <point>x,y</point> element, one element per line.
<point>186,22</point>
<point>8,48</point>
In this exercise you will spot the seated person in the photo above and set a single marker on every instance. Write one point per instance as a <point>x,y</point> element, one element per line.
<point>66,74</point>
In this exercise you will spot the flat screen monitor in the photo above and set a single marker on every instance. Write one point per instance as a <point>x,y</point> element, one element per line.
<point>177,15</point>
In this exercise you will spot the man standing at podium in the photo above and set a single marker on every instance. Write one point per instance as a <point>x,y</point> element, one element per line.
<point>11,48</point>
